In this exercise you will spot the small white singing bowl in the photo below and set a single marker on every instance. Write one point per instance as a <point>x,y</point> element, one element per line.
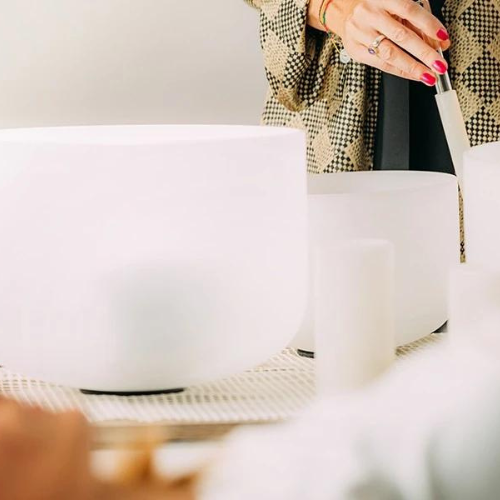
<point>147,258</point>
<point>482,205</point>
<point>416,211</point>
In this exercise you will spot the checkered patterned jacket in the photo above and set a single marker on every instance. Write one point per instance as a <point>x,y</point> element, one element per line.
<point>336,103</point>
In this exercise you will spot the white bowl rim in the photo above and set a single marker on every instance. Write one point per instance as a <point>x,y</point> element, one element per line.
<point>146,135</point>
<point>361,183</point>
<point>477,153</point>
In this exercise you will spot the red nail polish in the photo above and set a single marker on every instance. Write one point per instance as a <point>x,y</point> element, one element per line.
<point>440,67</point>
<point>428,79</point>
<point>443,35</point>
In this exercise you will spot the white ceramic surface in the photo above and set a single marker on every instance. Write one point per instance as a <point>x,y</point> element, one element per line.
<point>353,313</point>
<point>482,205</point>
<point>475,307</point>
<point>149,258</point>
<point>418,213</point>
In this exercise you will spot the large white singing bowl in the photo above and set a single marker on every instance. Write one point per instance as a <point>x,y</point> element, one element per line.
<point>418,213</point>
<point>145,258</point>
<point>482,205</point>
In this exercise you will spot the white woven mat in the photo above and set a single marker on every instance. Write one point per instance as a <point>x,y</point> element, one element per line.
<point>272,392</point>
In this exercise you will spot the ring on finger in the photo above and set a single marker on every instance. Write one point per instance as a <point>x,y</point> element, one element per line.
<point>373,48</point>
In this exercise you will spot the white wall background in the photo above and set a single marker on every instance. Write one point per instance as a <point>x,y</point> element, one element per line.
<point>129,61</point>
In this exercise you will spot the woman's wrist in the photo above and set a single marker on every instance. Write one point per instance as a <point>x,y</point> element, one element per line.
<point>313,14</point>
<point>321,19</point>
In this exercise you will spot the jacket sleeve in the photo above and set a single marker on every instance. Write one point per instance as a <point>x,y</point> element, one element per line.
<point>296,56</point>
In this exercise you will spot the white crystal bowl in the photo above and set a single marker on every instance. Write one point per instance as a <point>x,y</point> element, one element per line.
<point>145,258</point>
<point>482,205</point>
<point>418,213</point>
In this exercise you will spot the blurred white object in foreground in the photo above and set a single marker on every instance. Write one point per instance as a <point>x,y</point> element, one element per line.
<point>353,313</point>
<point>429,430</point>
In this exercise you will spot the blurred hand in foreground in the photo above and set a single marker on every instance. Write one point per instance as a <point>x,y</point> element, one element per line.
<point>46,456</point>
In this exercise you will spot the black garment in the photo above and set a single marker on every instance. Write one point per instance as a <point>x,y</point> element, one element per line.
<point>410,135</point>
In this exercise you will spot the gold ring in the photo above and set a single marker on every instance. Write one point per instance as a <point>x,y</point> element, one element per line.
<point>373,48</point>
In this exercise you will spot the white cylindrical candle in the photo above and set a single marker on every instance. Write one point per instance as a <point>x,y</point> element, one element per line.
<point>354,313</point>
<point>474,307</point>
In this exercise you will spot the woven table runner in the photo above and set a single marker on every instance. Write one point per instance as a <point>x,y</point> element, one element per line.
<point>272,392</point>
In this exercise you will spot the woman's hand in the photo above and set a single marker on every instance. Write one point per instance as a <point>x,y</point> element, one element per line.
<point>46,456</point>
<point>403,53</point>
<point>43,456</point>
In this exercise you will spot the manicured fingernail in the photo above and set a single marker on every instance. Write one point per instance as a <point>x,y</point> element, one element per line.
<point>443,35</point>
<point>428,79</point>
<point>440,67</point>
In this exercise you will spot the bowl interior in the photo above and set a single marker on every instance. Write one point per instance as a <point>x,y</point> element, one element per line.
<point>140,134</point>
<point>375,181</point>
<point>488,153</point>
